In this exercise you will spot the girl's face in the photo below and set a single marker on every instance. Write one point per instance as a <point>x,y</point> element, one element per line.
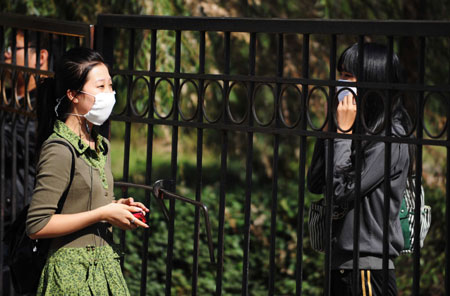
<point>98,81</point>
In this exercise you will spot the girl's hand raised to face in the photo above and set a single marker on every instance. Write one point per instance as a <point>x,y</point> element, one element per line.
<point>346,113</point>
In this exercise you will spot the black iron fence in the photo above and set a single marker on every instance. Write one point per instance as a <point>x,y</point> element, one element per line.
<point>21,70</point>
<point>237,84</point>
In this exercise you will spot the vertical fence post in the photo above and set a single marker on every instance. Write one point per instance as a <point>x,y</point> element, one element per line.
<point>329,167</point>
<point>149,160</point>
<point>418,177</point>
<point>302,167</point>
<point>173,161</point>
<point>274,203</point>
<point>387,167</point>
<point>199,185</point>
<point>249,168</point>
<point>2,192</point>
<point>223,170</point>
<point>447,191</point>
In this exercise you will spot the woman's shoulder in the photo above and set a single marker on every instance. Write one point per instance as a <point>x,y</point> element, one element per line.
<point>57,146</point>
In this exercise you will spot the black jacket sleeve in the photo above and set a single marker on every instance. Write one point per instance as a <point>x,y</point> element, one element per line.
<point>316,172</point>
<point>372,172</point>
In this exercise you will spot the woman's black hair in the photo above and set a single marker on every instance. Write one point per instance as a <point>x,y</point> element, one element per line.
<point>70,74</point>
<point>374,69</point>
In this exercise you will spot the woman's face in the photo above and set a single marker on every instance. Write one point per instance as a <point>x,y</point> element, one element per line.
<point>98,81</point>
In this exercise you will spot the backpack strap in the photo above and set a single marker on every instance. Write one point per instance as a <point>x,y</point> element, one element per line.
<point>72,173</point>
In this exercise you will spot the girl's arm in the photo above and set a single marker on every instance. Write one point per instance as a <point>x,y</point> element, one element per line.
<point>372,172</point>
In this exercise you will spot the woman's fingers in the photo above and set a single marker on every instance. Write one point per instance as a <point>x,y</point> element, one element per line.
<point>140,205</point>
<point>138,222</point>
<point>135,222</point>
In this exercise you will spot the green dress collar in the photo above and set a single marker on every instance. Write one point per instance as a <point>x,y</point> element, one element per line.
<point>95,158</point>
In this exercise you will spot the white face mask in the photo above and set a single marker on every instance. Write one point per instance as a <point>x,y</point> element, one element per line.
<point>102,108</point>
<point>345,92</point>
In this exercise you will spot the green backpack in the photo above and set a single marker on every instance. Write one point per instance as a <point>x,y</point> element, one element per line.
<point>407,219</point>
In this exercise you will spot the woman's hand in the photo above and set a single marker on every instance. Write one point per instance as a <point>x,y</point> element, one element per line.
<point>346,113</point>
<point>120,215</point>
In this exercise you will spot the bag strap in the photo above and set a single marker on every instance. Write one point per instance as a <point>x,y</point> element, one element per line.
<point>62,200</point>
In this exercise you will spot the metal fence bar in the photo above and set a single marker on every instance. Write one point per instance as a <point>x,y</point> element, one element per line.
<point>2,167</point>
<point>329,156</point>
<point>248,168</point>
<point>255,25</point>
<point>418,177</point>
<point>287,80</point>
<point>223,169</point>
<point>149,161</point>
<point>387,170</point>
<point>274,202</point>
<point>358,168</point>
<point>2,192</point>
<point>447,198</point>
<point>47,25</point>
<point>301,167</point>
<point>330,144</point>
<point>127,137</point>
<point>199,185</point>
<point>173,162</point>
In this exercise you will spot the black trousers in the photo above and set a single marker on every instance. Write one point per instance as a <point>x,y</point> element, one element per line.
<point>370,283</point>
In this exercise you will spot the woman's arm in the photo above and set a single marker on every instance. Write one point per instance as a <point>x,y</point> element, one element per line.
<point>52,179</point>
<point>119,215</point>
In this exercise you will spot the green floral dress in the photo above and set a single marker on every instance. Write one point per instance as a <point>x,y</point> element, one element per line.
<point>89,270</point>
<point>83,271</point>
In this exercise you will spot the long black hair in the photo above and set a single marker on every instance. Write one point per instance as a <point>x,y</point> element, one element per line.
<point>374,69</point>
<point>70,74</point>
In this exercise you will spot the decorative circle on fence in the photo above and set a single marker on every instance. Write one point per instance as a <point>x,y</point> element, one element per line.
<point>140,96</point>
<point>120,83</point>
<point>237,91</point>
<point>213,98</point>
<point>29,105</point>
<point>25,104</point>
<point>261,98</point>
<point>435,114</point>
<point>186,98</point>
<point>163,96</point>
<point>290,103</point>
<point>370,98</point>
<point>317,105</point>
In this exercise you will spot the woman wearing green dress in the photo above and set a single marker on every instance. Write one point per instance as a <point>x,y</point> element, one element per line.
<point>81,260</point>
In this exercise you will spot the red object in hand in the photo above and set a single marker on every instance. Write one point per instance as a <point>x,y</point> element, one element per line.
<point>140,216</point>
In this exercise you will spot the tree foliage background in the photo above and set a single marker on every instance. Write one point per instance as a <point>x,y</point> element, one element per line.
<point>437,72</point>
